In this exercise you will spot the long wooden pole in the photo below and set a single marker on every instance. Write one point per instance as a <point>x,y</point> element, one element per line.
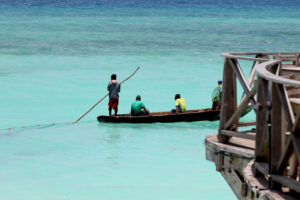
<point>105,96</point>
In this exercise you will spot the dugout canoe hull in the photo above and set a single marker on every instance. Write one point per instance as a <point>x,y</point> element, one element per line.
<point>164,117</point>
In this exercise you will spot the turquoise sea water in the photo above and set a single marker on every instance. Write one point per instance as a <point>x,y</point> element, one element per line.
<point>55,63</point>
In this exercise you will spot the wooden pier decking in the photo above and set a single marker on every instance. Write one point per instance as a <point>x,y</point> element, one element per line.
<point>262,162</point>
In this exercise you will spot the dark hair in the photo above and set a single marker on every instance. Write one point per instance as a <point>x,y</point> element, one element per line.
<point>177,96</point>
<point>138,98</point>
<point>113,77</point>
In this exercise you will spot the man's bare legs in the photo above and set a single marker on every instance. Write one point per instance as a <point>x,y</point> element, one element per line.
<point>116,111</point>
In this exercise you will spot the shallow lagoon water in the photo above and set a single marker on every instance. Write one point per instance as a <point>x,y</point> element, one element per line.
<point>55,63</point>
<point>91,161</point>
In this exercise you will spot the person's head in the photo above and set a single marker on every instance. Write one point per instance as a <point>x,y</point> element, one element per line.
<point>220,81</point>
<point>177,96</point>
<point>113,77</point>
<point>138,97</point>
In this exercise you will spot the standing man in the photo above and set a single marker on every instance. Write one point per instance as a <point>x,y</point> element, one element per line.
<point>114,89</point>
<point>180,104</point>
<point>216,96</point>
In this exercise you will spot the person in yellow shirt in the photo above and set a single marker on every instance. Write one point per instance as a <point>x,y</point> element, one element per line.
<point>180,104</point>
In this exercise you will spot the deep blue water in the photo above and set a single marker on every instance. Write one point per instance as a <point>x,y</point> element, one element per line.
<point>149,3</point>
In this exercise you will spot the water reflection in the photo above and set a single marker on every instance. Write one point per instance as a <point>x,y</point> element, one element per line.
<point>187,125</point>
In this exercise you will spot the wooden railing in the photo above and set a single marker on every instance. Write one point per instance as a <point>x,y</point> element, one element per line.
<point>275,98</point>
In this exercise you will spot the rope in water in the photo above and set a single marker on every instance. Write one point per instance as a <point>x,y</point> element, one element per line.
<point>68,123</point>
<point>38,125</point>
<point>41,125</point>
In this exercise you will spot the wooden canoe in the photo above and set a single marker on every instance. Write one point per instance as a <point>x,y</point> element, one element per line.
<point>164,117</point>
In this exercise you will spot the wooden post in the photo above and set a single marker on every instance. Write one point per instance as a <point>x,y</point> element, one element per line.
<point>220,161</point>
<point>276,134</point>
<point>261,143</point>
<point>229,101</point>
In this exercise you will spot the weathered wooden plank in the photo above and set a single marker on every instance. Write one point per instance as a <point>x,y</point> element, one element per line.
<point>284,180</point>
<point>296,125</point>
<point>261,150</point>
<point>242,134</point>
<point>293,91</point>
<point>239,74</point>
<point>252,74</point>
<point>290,69</point>
<point>231,55</point>
<point>286,58</point>
<point>287,151</point>
<point>243,105</point>
<point>278,70</point>
<point>251,77</point>
<point>229,100</point>
<point>289,116</point>
<point>276,133</point>
<point>295,103</point>
<point>288,111</point>
<point>220,161</point>
<point>244,189</point>
<point>293,166</point>
<point>242,124</point>
<point>294,59</point>
<point>264,73</point>
<point>233,181</point>
<point>296,143</point>
<point>297,60</point>
<point>267,96</point>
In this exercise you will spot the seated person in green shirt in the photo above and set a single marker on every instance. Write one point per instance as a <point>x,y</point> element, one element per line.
<point>138,107</point>
<point>180,104</point>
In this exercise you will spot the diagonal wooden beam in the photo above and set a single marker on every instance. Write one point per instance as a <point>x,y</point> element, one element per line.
<point>288,149</point>
<point>252,74</point>
<point>251,77</point>
<point>296,126</point>
<point>288,111</point>
<point>289,182</point>
<point>296,144</point>
<point>253,69</point>
<point>243,105</point>
<point>295,135</point>
<point>238,71</point>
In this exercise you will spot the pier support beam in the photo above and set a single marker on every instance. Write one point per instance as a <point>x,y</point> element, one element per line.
<point>229,103</point>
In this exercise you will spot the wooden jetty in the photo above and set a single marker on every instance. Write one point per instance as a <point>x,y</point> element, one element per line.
<point>262,162</point>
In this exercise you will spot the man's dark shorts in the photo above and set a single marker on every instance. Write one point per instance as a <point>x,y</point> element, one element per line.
<point>113,104</point>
